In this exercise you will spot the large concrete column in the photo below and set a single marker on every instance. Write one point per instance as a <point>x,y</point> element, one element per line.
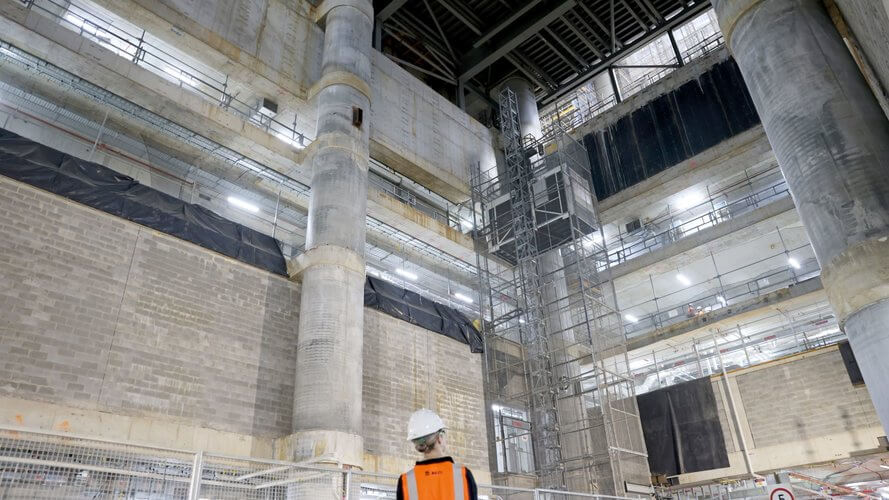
<point>327,394</point>
<point>529,117</point>
<point>832,143</point>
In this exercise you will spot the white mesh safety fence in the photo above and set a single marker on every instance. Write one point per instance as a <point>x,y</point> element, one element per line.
<point>38,464</point>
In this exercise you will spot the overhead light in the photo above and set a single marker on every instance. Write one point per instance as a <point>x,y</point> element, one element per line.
<point>683,279</point>
<point>404,273</point>
<point>793,263</point>
<point>689,200</point>
<point>521,321</point>
<point>884,466</point>
<point>289,140</point>
<point>464,298</point>
<point>721,300</point>
<point>631,318</point>
<point>243,205</point>
<point>182,77</point>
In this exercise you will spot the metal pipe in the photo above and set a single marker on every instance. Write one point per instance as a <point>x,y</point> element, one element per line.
<point>733,410</point>
<point>197,467</point>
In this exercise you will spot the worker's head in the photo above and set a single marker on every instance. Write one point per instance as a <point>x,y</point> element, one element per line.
<point>426,431</point>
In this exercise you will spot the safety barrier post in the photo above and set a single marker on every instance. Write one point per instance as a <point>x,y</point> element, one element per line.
<point>194,486</point>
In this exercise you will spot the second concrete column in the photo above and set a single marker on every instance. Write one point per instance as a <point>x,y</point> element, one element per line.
<point>832,143</point>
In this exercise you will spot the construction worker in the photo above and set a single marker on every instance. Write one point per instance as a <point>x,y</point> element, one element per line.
<point>436,477</point>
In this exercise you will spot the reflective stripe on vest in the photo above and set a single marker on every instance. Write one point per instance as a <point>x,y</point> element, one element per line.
<point>413,491</point>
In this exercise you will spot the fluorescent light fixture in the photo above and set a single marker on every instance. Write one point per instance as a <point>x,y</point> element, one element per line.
<point>689,200</point>
<point>404,273</point>
<point>683,279</point>
<point>631,318</point>
<point>521,321</point>
<point>243,205</point>
<point>464,298</point>
<point>721,300</point>
<point>182,77</point>
<point>793,263</point>
<point>289,140</point>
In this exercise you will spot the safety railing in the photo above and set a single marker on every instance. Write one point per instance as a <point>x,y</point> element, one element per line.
<point>681,224</point>
<point>719,291</point>
<point>44,464</point>
<point>748,343</point>
<point>706,46</point>
<point>163,62</point>
<point>577,109</point>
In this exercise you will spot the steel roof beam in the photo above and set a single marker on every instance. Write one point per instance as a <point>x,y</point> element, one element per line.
<point>509,20</point>
<point>532,22</point>
<point>389,8</point>
<point>583,38</point>
<point>570,50</point>
<point>682,17</point>
<point>463,14</point>
<point>600,24</point>
<point>633,13</point>
<point>531,70</point>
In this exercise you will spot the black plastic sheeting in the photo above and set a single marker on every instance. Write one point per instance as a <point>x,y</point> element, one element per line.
<point>415,309</point>
<point>106,190</point>
<point>851,364</point>
<point>670,129</point>
<point>681,428</point>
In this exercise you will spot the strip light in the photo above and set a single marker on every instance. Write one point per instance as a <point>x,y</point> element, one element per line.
<point>243,205</point>
<point>404,273</point>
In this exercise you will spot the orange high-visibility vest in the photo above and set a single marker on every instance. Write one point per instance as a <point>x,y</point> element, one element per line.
<point>436,481</point>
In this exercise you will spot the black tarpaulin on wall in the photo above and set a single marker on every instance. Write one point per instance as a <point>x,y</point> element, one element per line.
<point>415,309</point>
<point>681,428</point>
<point>106,190</point>
<point>671,128</point>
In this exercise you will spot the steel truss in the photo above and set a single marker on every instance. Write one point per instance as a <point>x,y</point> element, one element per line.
<point>555,346</point>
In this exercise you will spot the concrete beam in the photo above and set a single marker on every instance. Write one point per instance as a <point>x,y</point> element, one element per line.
<point>414,130</point>
<point>670,261</point>
<point>380,205</point>
<point>805,292</point>
<point>749,149</point>
<point>46,39</point>
<point>705,236</point>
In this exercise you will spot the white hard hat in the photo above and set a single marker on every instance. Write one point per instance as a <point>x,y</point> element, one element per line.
<point>423,423</point>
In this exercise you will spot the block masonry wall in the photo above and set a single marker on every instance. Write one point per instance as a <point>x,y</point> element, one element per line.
<point>809,397</point>
<point>100,314</point>
<point>795,411</point>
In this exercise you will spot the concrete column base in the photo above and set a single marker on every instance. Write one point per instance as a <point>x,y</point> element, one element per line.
<point>322,447</point>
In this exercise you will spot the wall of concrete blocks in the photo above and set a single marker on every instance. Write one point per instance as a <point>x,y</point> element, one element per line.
<point>103,318</point>
<point>794,411</point>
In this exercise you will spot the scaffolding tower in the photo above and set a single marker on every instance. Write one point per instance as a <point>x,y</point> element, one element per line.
<point>557,374</point>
